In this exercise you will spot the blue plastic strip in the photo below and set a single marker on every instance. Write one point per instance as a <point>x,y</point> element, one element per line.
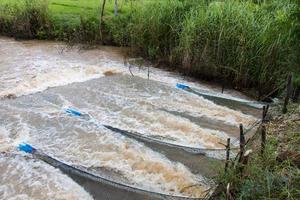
<point>73,112</point>
<point>182,86</point>
<point>26,148</point>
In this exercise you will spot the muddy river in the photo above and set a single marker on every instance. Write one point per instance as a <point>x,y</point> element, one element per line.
<point>139,134</point>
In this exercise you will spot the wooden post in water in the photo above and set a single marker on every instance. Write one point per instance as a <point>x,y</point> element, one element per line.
<point>242,142</point>
<point>288,93</point>
<point>227,154</point>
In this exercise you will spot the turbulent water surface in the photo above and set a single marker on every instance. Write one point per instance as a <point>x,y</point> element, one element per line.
<point>39,81</point>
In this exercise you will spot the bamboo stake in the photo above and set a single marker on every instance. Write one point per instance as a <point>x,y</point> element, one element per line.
<point>263,129</point>
<point>263,138</point>
<point>242,142</point>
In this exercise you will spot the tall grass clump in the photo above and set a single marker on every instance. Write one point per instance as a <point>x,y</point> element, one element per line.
<point>24,19</point>
<point>263,178</point>
<point>249,44</point>
<point>156,27</point>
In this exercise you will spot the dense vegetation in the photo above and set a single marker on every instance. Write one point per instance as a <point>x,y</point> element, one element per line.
<point>249,44</point>
<point>275,174</point>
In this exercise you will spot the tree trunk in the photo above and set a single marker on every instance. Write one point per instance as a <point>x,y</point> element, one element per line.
<point>116,7</point>
<point>101,20</point>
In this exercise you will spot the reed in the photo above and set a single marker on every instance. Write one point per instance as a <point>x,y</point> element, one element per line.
<point>249,44</point>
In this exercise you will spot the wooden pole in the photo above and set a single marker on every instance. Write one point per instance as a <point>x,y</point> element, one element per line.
<point>263,129</point>
<point>227,154</point>
<point>263,138</point>
<point>288,93</point>
<point>264,113</point>
<point>242,142</point>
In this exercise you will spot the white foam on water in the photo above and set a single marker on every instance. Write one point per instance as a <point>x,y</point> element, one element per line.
<point>33,66</point>
<point>199,106</point>
<point>29,179</point>
<point>9,140</point>
<point>93,147</point>
<point>30,67</point>
<point>138,109</point>
<point>129,108</point>
<point>139,93</point>
<point>5,141</point>
<point>80,143</point>
<point>171,128</point>
<point>54,77</point>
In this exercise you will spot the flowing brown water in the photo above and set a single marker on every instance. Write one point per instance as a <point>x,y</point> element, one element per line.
<point>28,179</point>
<point>38,81</point>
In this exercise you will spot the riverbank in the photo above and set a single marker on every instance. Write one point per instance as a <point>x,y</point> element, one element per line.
<point>243,44</point>
<point>275,173</point>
